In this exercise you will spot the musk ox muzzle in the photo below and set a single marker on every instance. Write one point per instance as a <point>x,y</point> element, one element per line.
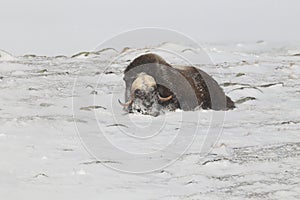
<point>153,86</point>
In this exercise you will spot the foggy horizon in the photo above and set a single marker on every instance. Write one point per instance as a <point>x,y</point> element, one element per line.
<point>67,27</point>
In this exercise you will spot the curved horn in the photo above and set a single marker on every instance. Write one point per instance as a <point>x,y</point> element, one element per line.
<point>125,104</point>
<point>165,98</point>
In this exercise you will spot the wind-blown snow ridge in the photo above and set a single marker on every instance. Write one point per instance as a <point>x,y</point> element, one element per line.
<point>5,56</point>
<point>105,53</point>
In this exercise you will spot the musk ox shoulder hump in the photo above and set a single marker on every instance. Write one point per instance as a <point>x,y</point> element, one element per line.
<point>146,59</point>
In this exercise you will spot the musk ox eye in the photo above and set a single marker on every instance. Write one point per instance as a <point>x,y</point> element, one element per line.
<point>137,91</point>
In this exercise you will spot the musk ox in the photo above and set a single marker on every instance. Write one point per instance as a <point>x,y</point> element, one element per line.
<point>154,86</point>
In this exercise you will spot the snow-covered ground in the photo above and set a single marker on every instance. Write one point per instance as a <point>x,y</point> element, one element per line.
<point>50,107</point>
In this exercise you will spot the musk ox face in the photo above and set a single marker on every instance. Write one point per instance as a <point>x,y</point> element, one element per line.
<point>145,98</point>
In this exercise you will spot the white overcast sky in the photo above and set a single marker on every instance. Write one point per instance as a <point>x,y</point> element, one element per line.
<point>53,27</point>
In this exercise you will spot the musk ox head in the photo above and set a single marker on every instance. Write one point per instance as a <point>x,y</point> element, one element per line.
<point>144,96</point>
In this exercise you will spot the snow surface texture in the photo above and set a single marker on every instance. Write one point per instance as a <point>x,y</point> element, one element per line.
<point>42,156</point>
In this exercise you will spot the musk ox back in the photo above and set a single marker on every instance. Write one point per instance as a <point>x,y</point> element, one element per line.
<point>154,86</point>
